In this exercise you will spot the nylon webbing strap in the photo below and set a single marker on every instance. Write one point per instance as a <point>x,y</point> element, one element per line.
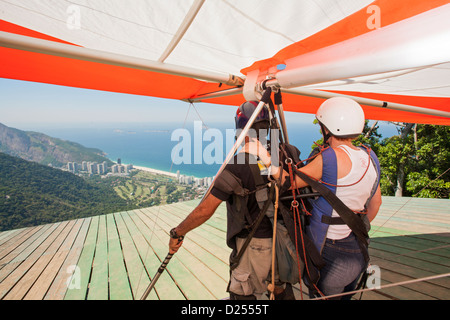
<point>259,181</point>
<point>332,220</point>
<point>234,262</point>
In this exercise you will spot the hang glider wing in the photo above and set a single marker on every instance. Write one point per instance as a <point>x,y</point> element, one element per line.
<point>391,56</point>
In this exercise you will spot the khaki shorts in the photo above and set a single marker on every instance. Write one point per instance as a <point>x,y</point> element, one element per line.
<point>251,275</point>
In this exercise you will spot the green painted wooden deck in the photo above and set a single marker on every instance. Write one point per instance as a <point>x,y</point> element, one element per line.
<point>114,256</point>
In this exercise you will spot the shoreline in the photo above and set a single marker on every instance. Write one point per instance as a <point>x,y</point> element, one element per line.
<point>161,172</point>
<point>156,171</point>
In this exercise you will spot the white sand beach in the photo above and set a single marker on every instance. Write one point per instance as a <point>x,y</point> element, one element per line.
<point>166,173</point>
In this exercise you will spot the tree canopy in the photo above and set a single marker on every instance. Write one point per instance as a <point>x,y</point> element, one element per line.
<point>416,162</point>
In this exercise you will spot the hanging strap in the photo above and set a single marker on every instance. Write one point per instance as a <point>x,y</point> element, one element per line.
<point>234,262</point>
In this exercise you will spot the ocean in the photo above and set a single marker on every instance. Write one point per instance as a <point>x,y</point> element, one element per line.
<point>165,146</point>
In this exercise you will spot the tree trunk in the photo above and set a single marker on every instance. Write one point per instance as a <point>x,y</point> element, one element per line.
<point>401,168</point>
<point>400,181</point>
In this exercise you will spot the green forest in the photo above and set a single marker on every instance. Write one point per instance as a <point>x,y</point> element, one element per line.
<point>414,163</point>
<point>33,194</point>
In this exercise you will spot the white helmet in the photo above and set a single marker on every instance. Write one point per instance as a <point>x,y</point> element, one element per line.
<point>343,117</point>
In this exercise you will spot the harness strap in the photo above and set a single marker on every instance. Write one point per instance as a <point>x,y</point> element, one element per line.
<point>235,260</point>
<point>376,164</point>
<point>334,220</point>
<point>264,198</point>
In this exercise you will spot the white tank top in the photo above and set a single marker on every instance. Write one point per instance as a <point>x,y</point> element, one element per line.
<point>355,195</point>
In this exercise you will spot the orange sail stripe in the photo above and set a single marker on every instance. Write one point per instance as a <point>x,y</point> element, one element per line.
<point>29,66</point>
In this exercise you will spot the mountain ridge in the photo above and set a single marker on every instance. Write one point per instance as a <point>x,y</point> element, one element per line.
<point>46,150</point>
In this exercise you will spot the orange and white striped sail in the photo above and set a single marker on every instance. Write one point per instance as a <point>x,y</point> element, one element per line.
<point>384,53</point>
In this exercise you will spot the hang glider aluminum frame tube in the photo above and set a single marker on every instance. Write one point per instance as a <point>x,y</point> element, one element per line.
<point>216,94</point>
<point>190,16</point>
<point>283,122</point>
<point>368,102</point>
<point>265,99</point>
<point>420,41</point>
<point>326,95</point>
<point>15,41</point>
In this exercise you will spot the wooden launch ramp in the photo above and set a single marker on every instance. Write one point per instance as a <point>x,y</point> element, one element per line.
<point>114,256</point>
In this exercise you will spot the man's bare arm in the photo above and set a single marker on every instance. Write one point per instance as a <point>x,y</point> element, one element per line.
<point>197,217</point>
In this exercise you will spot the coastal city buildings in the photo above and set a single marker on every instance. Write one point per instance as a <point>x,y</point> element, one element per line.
<point>102,169</point>
<point>94,168</point>
<point>120,168</point>
<point>198,182</point>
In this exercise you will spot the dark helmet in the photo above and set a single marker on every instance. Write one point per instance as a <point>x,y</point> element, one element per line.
<point>245,111</point>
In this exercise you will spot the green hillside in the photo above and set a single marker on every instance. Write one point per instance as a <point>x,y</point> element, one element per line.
<point>43,149</point>
<point>34,194</point>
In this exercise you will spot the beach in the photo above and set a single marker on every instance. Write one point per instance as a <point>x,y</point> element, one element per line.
<point>166,173</point>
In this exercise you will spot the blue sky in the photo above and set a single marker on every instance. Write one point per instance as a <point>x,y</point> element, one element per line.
<point>24,104</point>
<point>30,106</point>
<point>28,102</point>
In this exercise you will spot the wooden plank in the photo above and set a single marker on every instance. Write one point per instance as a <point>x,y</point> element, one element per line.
<point>84,264</point>
<point>193,276</point>
<point>16,239</point>
<point>98,285</point>
<point>165,288</point>
<point>119,286</point>
<point>216,244</point>
<point>392,253</point>
<point>419,291</point>
<point>208,232</point>
<point>203,249</point>
<point>60,284</point>
<point>218,228</point>
<point>34,272</point>
<point>388,261</point>
<point>37,291</point>
<point>22,252</point>
<point>11,280</point>
<point>401,247</point>
<point>411,225</point>
<point>405,250</point>
<point>372,295</point>
<point>183,274</point>
<point>422,242</point>
<point>137,275</point>
<point>6,235</point>
<point>217,221</point>
<point>18,243</point>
